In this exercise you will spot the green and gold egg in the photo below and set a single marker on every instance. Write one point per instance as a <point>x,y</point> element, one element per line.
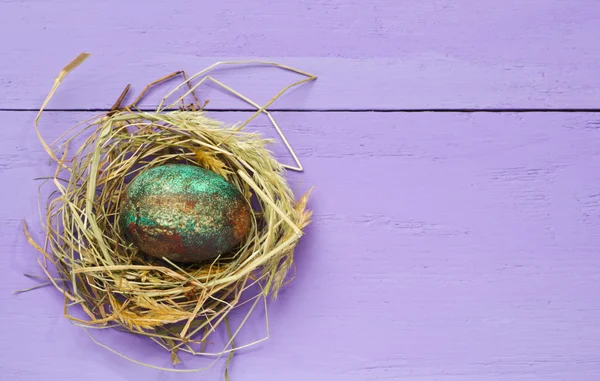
<point>184,213</point>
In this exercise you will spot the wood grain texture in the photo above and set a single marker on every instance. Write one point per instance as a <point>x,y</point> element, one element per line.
<point>383,55</point>
<point>448,246</point>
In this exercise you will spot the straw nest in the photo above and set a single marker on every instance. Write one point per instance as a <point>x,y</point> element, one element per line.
<point>178,306</point>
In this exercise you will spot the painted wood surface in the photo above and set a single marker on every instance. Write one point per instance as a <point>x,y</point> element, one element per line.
<point>445,246</point>
<point>384,55</point>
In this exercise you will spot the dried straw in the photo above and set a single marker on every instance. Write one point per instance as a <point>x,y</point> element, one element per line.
<point>176,306</point>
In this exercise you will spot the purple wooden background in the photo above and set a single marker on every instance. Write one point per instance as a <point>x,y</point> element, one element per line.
<point>453,246</point>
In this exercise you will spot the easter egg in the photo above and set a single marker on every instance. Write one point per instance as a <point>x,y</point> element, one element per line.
<point>184,213</point>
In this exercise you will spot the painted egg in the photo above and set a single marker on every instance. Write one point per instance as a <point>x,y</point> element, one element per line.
<point>184,213</point>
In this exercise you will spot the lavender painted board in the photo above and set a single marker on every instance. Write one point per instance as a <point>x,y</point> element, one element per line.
<point>444,247</point>
<point>385,54</point>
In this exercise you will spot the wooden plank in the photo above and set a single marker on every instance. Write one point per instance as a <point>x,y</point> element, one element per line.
<point>382,55</point>
<point>445,247</point>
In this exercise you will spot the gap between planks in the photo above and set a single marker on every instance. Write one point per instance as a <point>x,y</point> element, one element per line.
<point>443,110</point>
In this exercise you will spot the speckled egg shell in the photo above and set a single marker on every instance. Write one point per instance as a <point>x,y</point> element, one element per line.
<point>184,213</point>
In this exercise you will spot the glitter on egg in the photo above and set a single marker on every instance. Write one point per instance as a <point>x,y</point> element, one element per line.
<point>184,213</point>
